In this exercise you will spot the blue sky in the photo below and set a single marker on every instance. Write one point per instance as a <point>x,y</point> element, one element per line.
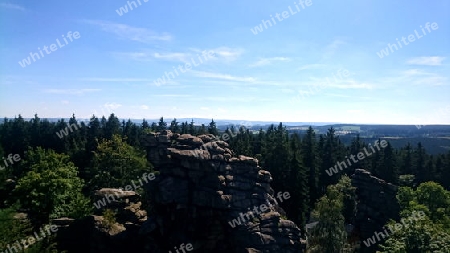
<point>278,74</point>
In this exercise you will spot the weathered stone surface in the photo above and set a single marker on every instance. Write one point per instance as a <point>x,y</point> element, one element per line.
<point>94,234</point>
<point>202,187</point>
<point>63,222</point>
<point>376,204</point>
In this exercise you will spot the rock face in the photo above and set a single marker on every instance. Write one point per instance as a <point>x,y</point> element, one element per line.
<point>201,188</point>
<point>98,234</point>
<point>201,196</point>
<point>376,204</point>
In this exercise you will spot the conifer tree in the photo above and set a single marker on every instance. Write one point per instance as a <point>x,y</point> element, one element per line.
<point>191,128</point>
<point>174,127</point>
<point>309,155</point>
<point>162,125</point>
<point>212,128</point>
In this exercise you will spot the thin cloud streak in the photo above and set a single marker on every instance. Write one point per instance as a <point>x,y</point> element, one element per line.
<point>204,74</point>
<point>127,32</point>
<point>12,6</point>
<point>268,61</point>
<point>427,61</point>
<point>101,79</point>
<point>71,91</point>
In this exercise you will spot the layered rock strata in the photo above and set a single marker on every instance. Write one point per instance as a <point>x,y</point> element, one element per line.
<point>201,188</point>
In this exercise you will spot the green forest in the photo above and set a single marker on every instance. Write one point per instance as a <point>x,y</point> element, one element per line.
<point>50,170</point>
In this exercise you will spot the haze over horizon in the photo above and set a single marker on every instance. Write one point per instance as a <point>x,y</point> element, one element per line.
<point>301,67</point>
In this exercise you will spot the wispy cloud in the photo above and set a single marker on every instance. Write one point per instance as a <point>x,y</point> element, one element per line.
<point>432,80</point>
<point>226,53</point>
<point>172,95</point>
<point>71,91</point>
<point>112,106</point>
<point>341,84</point>
<point>352,85</point>
<point>144,107</point>
<point>311,66</point>
<point>127,32</point>
<point>338,95</point>
<point>268,61</point>
<point>12,6</point>
<point>222,54</point>
<point>234,98</point>
<point>172,56</point>
<point>417,77</point>
<point>146,55</point>
<point>332,48</point>
<point>102,79</point>
<point>428,61</point>
<point>204,74</point>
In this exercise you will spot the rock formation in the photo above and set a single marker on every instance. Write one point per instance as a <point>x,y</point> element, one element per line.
<point>376,204</point>
<point>202,188</point>
<point>98,234</point>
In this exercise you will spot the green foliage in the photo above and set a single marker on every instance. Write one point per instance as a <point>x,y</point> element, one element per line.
<point>429,197</point>
<point>174,127</point>
<point>162,125</point>
<point>115,164</point>
<point>329,234</point>
<point>349,198</point>
<point>109,218</point>
<point>12,229</point>
<point>107,153</point>
<point>431,234</point>
<point>309,156</point>
<point>406,180</point>
<point>46,245</point>
<point>212,128</point>
<point>51,189</point>
<point>420,236</point>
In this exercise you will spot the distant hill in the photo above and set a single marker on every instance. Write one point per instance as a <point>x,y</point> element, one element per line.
<point>435,138</point>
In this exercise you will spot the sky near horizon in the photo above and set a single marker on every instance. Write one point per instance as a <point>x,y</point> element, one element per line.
<point>346,61</point>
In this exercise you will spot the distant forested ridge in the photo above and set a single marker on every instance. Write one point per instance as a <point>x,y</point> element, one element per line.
<point>106,152</point>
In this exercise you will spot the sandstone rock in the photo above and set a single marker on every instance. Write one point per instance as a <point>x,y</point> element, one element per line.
<point>376,204</point>
<point>202,188</point>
